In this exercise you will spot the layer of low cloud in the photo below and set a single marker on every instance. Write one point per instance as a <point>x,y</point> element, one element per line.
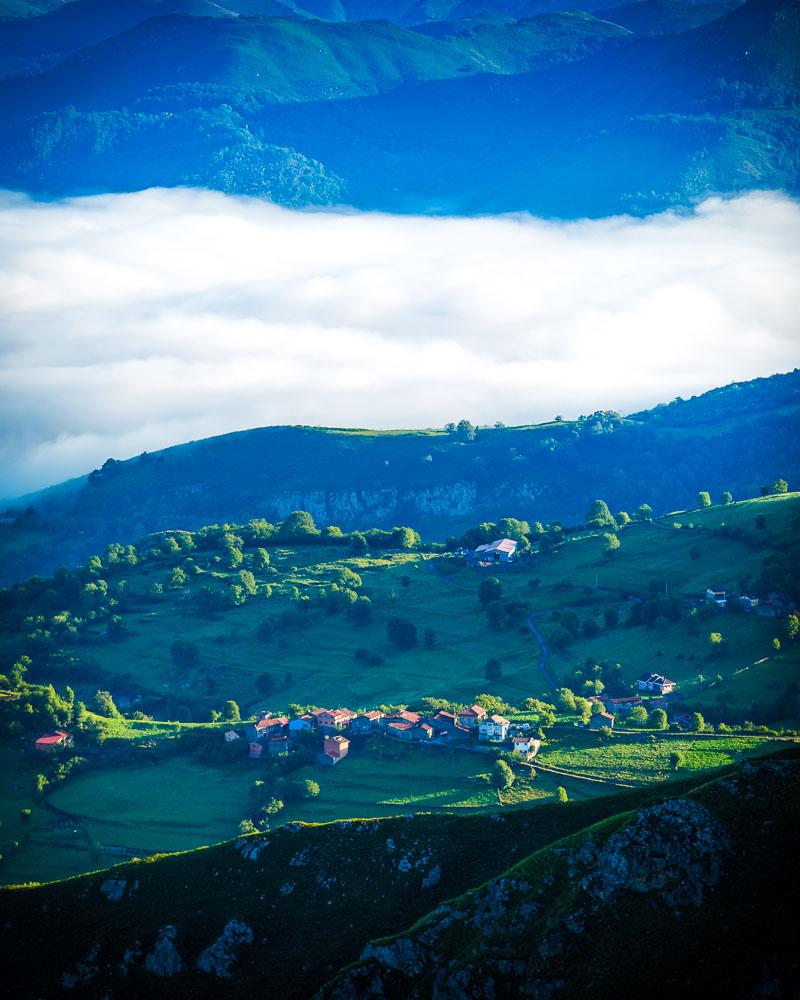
<point>131,322</point>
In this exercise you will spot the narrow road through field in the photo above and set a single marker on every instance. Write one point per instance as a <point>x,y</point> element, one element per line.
<point>544,653</point>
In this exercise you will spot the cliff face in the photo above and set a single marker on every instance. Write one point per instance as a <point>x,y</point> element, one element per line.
<point>438,483</point>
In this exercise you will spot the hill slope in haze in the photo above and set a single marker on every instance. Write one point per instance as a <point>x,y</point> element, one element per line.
<point>520,108</point>
<point>736,438</point>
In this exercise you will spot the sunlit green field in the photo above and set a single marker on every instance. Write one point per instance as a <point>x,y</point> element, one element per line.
<point>645,758</point>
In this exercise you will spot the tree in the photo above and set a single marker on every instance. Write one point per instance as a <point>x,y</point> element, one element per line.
<point>502,776</point>
<point>677,759</point>
<point>361,611</point>
<point>310,789</point>
<point>298,525</point>
<point>466,431</point>
<point>358,543</point>
<point>583,707</point>
<point>779,486</point>
<point>566,700</point>
<point>657,719</point>
<point>703,498</point>
<point>623,518</point>
<point>599,516</point>
<point>230,712</point>
<point>698,722</point>
<point>347,578</point>
<point>792,627</point>
<point>510,527</point>
<point>401,633</point>
<point>261,559</point>
<point>177,578</point>
<point>493,671</point>
<point>776,644</point>
<point>489,589</point>
<point>104,705</point>
<point>725,498</point>
<point>561,794</point>
<point>638,715</point>
<point>644,512</point>
<point>610,544</point>
<point>248,582</point>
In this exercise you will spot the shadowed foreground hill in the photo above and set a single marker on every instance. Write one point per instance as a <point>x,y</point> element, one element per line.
<point>690,897</point>
<point>594,885</point>
<point>735,438</point>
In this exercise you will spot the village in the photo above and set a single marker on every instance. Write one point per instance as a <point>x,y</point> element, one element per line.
<point>332,731</point>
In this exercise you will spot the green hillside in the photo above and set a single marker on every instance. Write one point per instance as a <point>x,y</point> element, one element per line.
<point>280,60</point>
<point>293,638</point>
<point>280,616</point>
<point>270,902</point>
<point>735,438</point>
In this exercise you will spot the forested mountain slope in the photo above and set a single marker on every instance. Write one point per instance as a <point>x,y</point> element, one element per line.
<point>523,108</point>
<point>736,438</point>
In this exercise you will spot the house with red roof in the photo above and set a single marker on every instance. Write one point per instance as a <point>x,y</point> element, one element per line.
<point>447,724</point>
<point>472,716</point>
<point>335,720</point>
<point>334,749</point>
<point>55,740</point>
<point>366,723</point>
<point>400,729</point>
<point>399,716</point>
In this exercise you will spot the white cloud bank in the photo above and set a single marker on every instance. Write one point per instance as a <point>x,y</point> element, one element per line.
<point>130,322</point>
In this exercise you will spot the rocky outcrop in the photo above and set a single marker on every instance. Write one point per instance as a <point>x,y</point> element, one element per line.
<point>218,959</point>
<point>164,959</point>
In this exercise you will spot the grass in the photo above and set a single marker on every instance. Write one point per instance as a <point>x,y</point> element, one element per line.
<point>178,803</point>
<point>645,758</point>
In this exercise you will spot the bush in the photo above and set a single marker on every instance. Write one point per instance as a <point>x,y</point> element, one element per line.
<point>401,633</point>
<point>489,590</point>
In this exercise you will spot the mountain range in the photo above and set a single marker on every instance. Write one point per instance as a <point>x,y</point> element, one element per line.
<point>418,107</point>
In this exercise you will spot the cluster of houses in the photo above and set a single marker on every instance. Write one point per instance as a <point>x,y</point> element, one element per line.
<point>656,686</point>
<point>774,605</point>
<point>269,735</point>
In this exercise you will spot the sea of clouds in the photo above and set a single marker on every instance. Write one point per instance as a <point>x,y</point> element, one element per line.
<point>134,321</point>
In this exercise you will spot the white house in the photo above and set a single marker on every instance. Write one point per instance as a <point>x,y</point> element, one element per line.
<point>525,744</point>
<point>656,682</point>
<point>502,550</point>
<point>494,728</point>
<point>717,597</point>
<point>231,736</point>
